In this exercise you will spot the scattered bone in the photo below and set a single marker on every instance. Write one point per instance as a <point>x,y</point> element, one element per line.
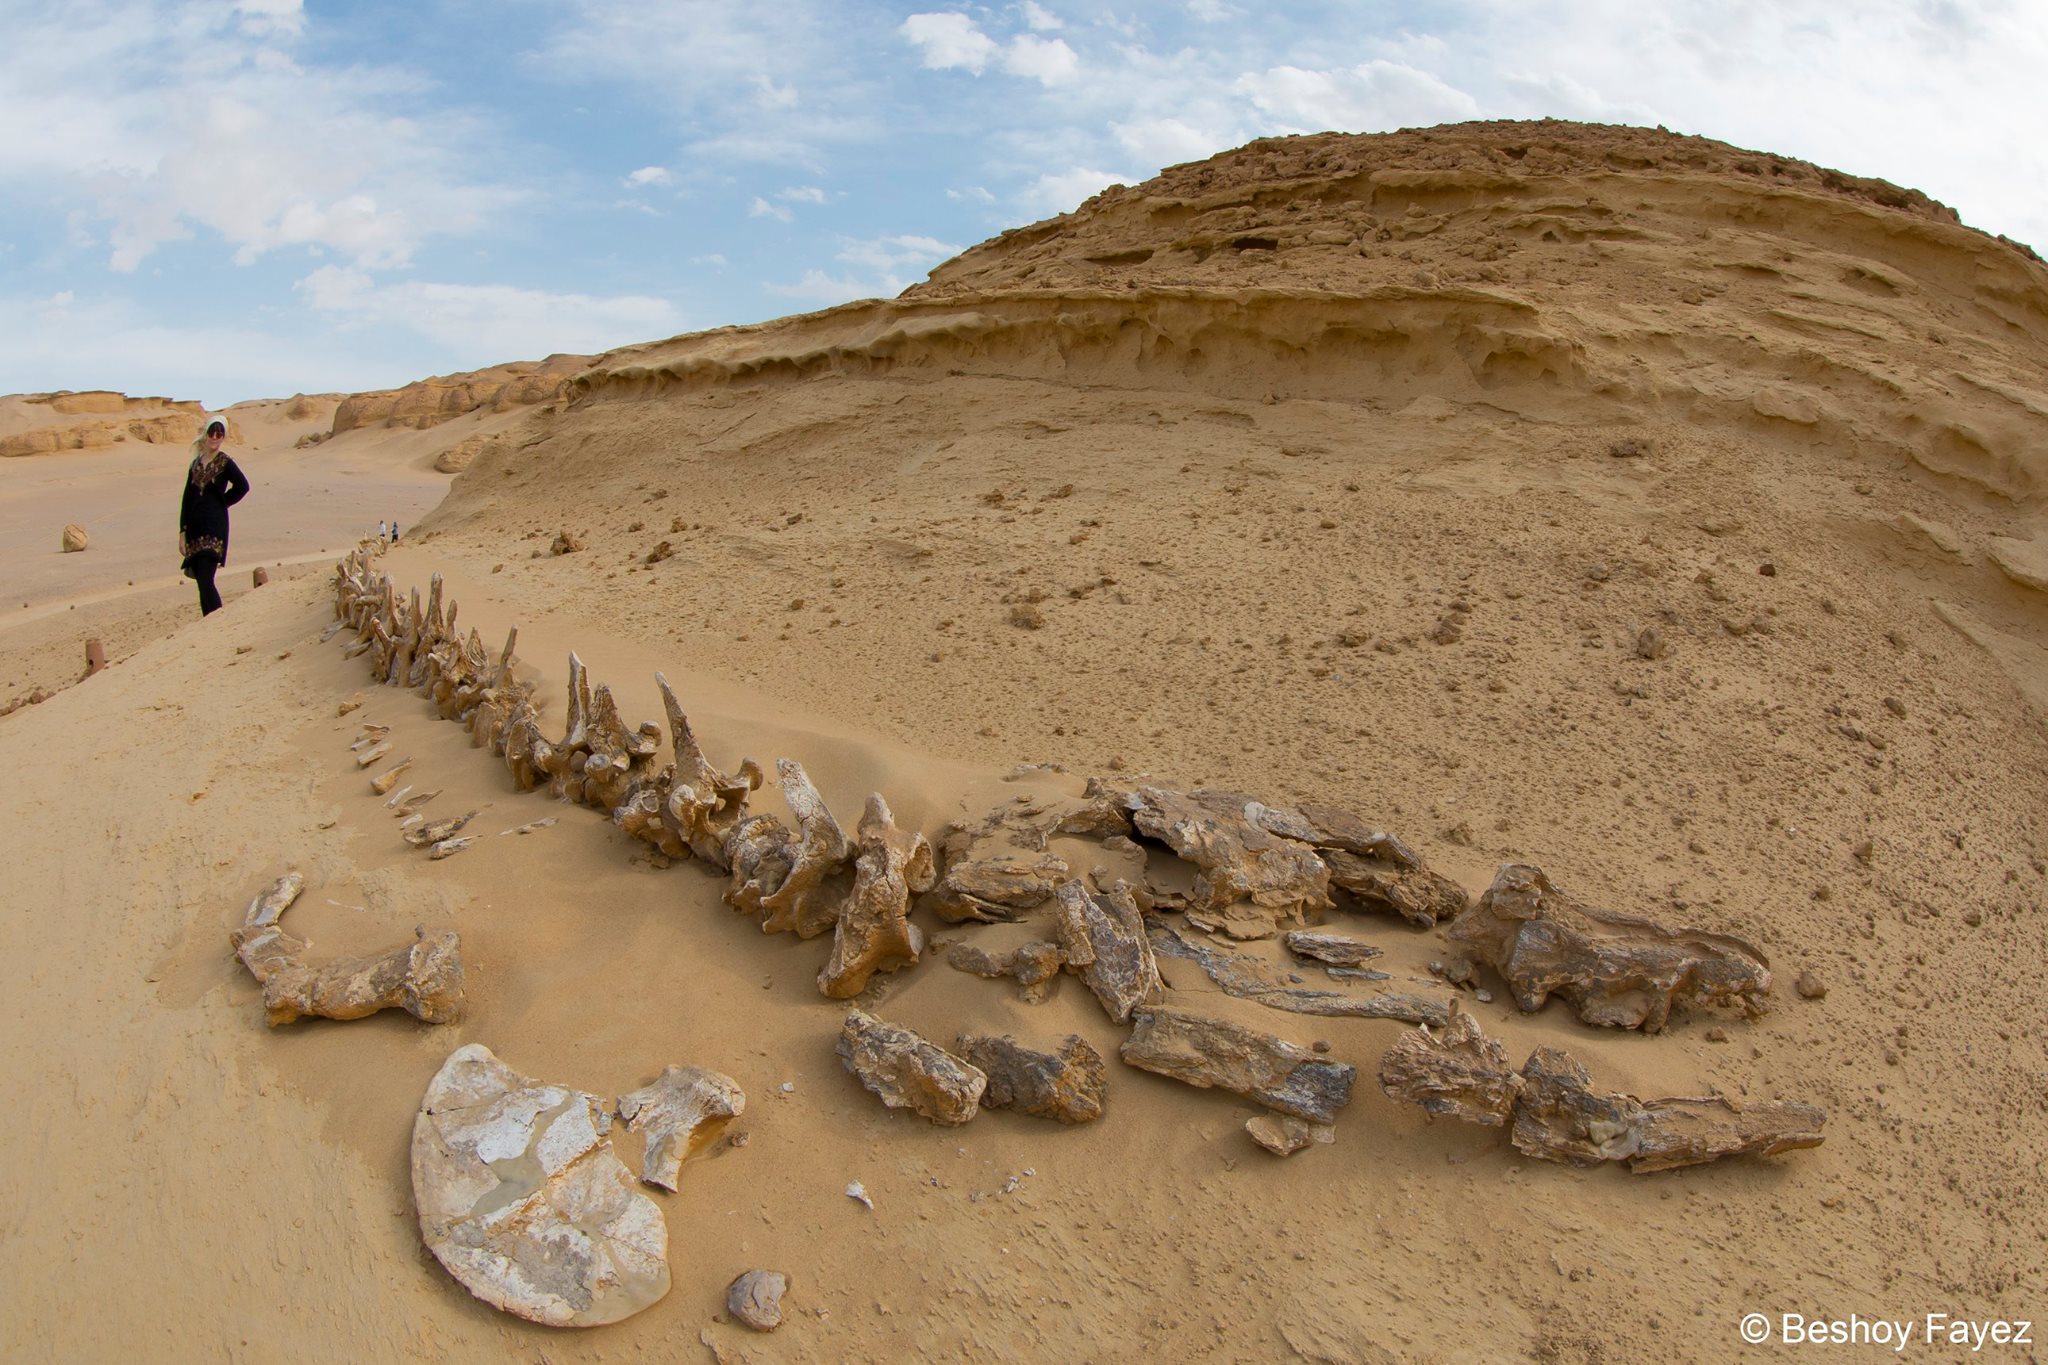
<point>398,796</point>
<point>908,1072</point>
<point>874,933</point>
<point>1001,868</point>
<point>1035,966</point>
<point>755,1298</point>
<point>408,810</point>
<point>1560,1118</point>
<point>1460,1072</point>
<point>521,1198</point>
<point>424,978</point>
<point>1067,1085</point>
<point>1615,969</point>
<point>1372,866</point>
<point>386,780</point>
<point>1284,1135</point>
<point>372,754</point>
<point>1247,978</point>
<point>682,1112</point>
<point>1338,950</point>
<point>1102,938</point>
<point>1237,861</point>
<point>529,827</point>
<point>1205,1052</point>
<point>448,848</point>
<point>859,1194</point>
<point>441,829</point>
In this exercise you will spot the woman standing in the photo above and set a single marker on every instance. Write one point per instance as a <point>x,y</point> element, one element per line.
<point>213,484</point>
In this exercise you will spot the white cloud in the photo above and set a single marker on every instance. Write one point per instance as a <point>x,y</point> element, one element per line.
<point>883,267</point>
<point>761,208</point>
<point>1040,18</point>
<point>649,175</point>
<point>949,40</point>
<point>974,194</point>
<point>1061,192</point>
<point>1211,11</point>
<point>1049,61</point>
<point>802,194</point>
<point>1370,97</point>
<point>1169,141</point>
<point>483,324</point>
<point>163,123</point>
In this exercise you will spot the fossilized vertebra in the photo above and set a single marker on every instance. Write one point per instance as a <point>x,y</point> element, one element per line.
<point>874,932</point>
<point>522,1199</point>
<point>682,1112</point>
<point>1237,860</point>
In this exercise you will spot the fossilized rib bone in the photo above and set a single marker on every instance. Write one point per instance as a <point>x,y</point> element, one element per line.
<point>424,978</point>
<point>874,933</point>
<point>1034,966</point>
<point>908,1071</point>
<point>1615,969</point>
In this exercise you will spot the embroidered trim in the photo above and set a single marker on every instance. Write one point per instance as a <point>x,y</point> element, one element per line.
<point>204,471</point>
<point>213,543</point>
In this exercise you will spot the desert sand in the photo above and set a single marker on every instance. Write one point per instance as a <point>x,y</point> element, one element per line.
<point>1338,469</point>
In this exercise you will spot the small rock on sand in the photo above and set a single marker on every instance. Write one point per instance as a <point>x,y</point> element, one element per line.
<point>755,1299</point>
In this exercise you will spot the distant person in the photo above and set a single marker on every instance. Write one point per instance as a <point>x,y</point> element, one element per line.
<point>382,532</point>
<point>394,530</point>
<point>213,484</point>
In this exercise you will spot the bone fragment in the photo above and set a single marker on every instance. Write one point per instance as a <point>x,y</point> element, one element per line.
<point>1615,969</point>
<point>1205,1052</point>
<point>384,781</point>
<point>1034,966</point>
<point>1102,937</point>
<point>439,830</point>
<point>908,1072</point>
<point>1247,978</point>
<point>373,753</point>
<point>682,1112</point>
<point>1067,1085</point>
<point>522,1200</point>
<point>448,848</point>
<point>1459,1073</point>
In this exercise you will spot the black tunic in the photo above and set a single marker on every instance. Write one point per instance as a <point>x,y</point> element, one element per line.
<point>211,487</point>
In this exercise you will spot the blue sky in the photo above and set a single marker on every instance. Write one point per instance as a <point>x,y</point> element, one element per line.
<point>223,200</point>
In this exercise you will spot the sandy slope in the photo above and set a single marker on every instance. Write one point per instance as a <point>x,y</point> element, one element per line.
<point>1361,540</point>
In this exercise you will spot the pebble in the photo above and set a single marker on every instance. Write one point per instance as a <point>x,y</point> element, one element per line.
<point>859,1192</point>
<point>755,1298</point>
<point>1810,986</point>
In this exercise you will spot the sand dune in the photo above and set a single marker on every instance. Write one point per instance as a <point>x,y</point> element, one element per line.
<point>1660,513</point>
